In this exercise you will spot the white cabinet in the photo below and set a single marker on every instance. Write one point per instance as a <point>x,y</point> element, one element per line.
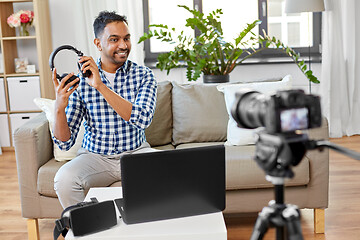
<point>2,96</point>
<point>18,119</point>
<point>22,91</point>
<point>4,131</point>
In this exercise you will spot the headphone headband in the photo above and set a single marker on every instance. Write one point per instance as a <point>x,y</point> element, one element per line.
<point>67,47</point>
<point>63,47</point>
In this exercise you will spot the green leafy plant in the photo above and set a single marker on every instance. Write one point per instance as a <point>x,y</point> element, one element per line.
<point>209,53</point>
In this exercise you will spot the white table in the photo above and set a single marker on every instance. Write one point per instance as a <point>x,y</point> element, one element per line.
<point>200,227</point>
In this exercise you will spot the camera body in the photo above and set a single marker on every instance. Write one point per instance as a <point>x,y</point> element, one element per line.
<point>292,110</point>
<point>284,112</point>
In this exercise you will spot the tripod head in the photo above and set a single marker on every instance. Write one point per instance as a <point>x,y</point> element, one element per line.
<point>277,153</point>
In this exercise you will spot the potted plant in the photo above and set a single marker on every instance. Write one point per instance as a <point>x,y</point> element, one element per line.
<point>208,53</point>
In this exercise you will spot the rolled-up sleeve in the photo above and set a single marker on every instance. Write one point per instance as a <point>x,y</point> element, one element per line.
<point>74,113</point>
<point>144,106</point>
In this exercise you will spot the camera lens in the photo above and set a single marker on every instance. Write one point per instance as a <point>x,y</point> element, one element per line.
<point>250,108</point>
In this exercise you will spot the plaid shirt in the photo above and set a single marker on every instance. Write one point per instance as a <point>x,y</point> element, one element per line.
<point>106,132</point>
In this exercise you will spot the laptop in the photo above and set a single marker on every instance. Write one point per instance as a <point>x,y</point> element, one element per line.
<point>171,184</point>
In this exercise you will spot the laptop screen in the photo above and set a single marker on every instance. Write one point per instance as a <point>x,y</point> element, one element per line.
<point>173,183</point>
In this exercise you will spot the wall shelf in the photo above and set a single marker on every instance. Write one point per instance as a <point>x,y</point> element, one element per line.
<point>18,38</point>
<point>22,74</point>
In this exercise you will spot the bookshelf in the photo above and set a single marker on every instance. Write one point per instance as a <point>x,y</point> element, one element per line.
<point>37,47</point>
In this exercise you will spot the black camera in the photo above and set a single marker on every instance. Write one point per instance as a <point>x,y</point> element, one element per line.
<point>284,112</point>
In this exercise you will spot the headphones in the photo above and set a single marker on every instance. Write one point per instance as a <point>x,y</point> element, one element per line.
<point>79,53</point>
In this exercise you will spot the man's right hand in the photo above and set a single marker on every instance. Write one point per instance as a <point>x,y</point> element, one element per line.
<point>63,91</point>
<point>60,127</point>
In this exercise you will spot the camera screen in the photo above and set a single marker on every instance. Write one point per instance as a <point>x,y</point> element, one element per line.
<point>294,119</point>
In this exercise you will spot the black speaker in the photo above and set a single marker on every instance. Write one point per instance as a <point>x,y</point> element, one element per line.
<point>93,218</point>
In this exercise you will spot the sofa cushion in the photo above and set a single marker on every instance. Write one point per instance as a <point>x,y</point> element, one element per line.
<point>193,145</point>
<point>242,172</point>
<point>46,174</point>
<point>160,130</point>
<point>199,114</point>
<point>165,147</point>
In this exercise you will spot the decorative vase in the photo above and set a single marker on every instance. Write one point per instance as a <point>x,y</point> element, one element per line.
<point>24,31</point>
<point>216,78</point>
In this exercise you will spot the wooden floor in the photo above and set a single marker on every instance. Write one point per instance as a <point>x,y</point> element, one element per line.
<point>342,217</point>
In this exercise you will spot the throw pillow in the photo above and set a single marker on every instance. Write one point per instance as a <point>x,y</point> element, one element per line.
<point>48,106</point>
<point>199,113</point>
<point>241,136</point>
<point>160,130</point>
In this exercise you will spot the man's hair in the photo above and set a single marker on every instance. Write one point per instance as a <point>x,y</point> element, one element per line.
<point>104,18</point>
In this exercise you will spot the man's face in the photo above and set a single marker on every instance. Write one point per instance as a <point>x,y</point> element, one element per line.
<point>114,44</point>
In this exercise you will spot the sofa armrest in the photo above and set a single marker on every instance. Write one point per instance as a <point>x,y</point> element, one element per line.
<point>319,167</point>
<point>33,148</point>
<point>321,133</point>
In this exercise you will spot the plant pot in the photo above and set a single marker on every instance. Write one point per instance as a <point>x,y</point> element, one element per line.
<point>216,78</point>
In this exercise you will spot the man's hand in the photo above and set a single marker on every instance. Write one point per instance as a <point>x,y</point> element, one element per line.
<point>63,91</point>
<point>60,127</point>
<point>94,80</point>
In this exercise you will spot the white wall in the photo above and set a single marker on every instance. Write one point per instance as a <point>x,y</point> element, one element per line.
<point>63,32</point>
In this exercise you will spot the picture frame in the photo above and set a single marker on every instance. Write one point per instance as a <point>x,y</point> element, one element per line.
<point>21,65</point>
<point>31,69</point>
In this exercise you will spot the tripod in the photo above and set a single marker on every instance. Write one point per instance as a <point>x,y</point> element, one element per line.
<point>279,215</point>
<point>275,154</point>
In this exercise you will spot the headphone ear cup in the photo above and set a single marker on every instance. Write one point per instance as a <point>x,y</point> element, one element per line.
<point>72,78</point>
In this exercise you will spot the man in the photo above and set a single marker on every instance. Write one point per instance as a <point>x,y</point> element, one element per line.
<point>117,103</point>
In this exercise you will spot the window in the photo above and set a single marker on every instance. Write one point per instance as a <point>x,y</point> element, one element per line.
<point>167,12</point>
<point>298,31</point>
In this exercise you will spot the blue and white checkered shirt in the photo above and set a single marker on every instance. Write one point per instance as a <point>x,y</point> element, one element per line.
<point>106,132</point>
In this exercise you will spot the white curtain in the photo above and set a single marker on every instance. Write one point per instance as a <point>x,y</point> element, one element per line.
<point>133,10</point>
<point>340,76</point>
<point>88,10</point>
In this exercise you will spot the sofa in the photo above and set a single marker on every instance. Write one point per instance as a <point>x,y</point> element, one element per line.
<point>186,116</point>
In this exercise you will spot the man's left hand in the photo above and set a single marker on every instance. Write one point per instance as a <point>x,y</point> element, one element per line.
<point>88,63</point>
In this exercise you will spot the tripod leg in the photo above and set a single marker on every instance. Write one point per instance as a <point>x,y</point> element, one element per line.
<point>262,224</point>
<point>292,218</point>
